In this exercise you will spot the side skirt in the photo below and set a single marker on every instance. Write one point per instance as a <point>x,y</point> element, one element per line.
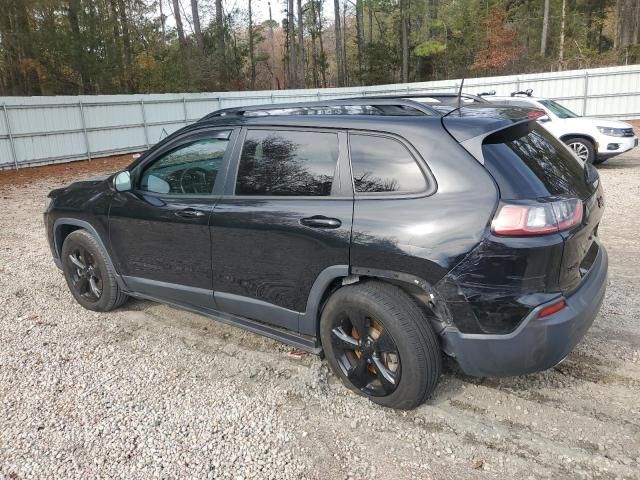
<point>303,342</point>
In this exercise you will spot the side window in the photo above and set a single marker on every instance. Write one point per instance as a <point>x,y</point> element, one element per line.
<point>381,164</point>
<point>287,163</point>
<point>188,169</point>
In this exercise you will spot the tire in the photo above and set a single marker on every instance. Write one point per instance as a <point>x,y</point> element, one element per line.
<point>388,309</point>
<point>583,148</point>
<point>81,249</point>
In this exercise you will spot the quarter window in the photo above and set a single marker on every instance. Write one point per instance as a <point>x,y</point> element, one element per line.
<point>188,169</point>
<point>382,165</point>
<point>287,163</point>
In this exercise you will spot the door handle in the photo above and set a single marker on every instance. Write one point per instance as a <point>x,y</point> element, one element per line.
<point>320,221</point>
<point>190,213</point>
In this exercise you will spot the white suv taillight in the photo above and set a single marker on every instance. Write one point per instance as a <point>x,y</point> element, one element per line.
<point>515,219</point>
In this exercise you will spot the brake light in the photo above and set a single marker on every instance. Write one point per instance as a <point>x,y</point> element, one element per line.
<point>551,309</point>
<point>538,218</point>
<point>535,114</point>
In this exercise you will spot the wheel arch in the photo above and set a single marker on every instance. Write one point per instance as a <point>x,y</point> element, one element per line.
<point>64,226</point>
<point>584,136</point>
<point>333,278</point>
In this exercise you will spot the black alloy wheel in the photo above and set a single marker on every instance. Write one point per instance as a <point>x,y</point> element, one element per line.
<point>86,277</point>
<point>366,353</point>
<point>89,273</point>
<point>378,340</point>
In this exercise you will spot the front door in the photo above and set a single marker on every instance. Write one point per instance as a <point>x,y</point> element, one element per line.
<point>159,232</point>
<point>285,217</point>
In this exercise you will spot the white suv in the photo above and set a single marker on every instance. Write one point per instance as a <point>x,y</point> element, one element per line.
<point>593,140</point>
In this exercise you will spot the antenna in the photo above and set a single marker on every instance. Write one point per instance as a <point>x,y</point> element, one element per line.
<point>460,93</point>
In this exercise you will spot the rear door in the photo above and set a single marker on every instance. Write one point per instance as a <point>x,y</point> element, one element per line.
<point>285,216</point>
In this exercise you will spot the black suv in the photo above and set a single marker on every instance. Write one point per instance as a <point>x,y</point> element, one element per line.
<point>376,231</point>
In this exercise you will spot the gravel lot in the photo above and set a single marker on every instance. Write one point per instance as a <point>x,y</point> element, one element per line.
<point>151,391</point>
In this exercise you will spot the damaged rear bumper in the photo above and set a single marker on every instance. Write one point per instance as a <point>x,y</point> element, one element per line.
<point>538,343</point>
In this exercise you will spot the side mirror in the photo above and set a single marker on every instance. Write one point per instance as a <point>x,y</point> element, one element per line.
<point>544,119</point>
<point>122,181</point>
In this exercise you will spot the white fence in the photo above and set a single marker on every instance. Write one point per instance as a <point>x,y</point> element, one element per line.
<point>42,130</point>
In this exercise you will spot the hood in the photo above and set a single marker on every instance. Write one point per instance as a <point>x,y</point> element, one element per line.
<point>598,122</point>
<point>82,184</point>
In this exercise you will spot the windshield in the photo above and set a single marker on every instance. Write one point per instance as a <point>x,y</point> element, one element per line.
<point>557,109</point>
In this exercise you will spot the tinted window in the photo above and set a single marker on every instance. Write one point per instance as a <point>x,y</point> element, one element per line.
<point>382,164</point>
<point>287,163</point>
<point>188,169</point>
<point>528,162</point>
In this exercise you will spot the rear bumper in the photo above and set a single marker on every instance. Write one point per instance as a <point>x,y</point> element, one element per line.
<point>538,343</point>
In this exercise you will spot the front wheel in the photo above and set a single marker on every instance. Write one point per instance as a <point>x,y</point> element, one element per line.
<point>583,149</point>
<point>89,274</point>
<point>380,344</point>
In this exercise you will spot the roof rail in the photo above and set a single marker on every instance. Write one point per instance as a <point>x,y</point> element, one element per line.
<point>344,102</point>
<point>490,92</point>
<point>528,92</point>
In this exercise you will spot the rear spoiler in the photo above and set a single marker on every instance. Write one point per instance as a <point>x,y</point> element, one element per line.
<point>471,132</point>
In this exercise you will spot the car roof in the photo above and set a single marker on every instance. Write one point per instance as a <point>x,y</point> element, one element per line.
<point>517,97</point>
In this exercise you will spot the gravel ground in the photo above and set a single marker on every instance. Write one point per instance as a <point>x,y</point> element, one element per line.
<point>151,391</point>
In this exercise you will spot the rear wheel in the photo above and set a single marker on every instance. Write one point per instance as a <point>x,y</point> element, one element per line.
<point>89,275</point>
<point>583,148</point>
<point>380,344</point>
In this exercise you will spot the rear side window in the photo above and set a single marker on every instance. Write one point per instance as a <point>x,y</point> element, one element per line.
<point>528,162</point>
<point>287,163</point>
<point>383,165</point>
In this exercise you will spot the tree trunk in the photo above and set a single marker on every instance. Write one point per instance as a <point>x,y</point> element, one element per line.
<point>301,77</point>
<point>545,29</point>
<point>80,64</point>
<point>178,17</point>
<point>344,44</point>
<point>323,72</point>
<point>359,34</point>
<point>116,40</point>
<point>219,29</point>
<point>275,82</point>
<point>291,36</point>
<point>405,41</point>
<point>314,50</point>
<point>252,61</point>
<point>338,29</point>
<point>370,22</point>
<point>163,19</point>
<point>196,24</point>
<point>627,25</point>
<point>564,14</point>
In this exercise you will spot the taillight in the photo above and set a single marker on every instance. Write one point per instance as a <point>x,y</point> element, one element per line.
<point>538,218</point>
<point>535,114</point>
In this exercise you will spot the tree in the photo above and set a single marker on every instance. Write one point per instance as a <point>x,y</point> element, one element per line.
<point>252,60</point>
<point>219,29</point>
<point>404,35</point>
<point>502,46</point>
<point>291,42</point>
<point>178,18</point>
<point>338,35</point>
<point>197,32</point>
<point>545,29</point>
<point>300,73</point>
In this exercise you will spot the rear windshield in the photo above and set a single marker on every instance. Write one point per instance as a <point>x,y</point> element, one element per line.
<point>528,162</point>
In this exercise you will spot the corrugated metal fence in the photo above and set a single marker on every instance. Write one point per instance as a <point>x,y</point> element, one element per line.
<point>41,130</point>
